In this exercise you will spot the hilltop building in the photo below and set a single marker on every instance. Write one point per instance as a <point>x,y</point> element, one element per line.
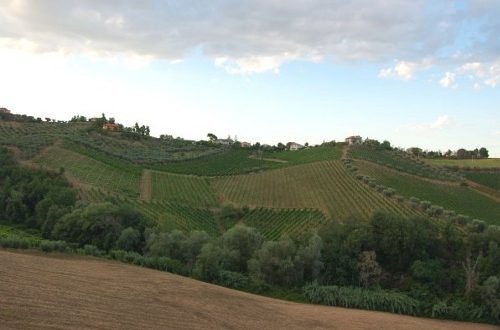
<point>225,142</point>
<point>4,110</point>
<point>354,140</point>
<point>292,146</point>
<point>110,127</point>
<point>245,144</point>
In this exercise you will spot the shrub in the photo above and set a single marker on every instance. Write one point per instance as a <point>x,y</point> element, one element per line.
<point>232,279</point>
<point>389,192</point>
<point>14,242</point>
<point>435,211</point>
<point>424,205</point>
<point>400,198</point>
<point>352,297</point>
<point>92,250</point>
<point>414,200</point>
<point>51,246</point>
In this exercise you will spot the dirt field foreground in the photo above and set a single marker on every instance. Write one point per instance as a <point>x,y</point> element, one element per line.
<point>40,291</point>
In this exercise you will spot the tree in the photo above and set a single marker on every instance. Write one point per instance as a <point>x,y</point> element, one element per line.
<point>369,269</point>
<point>243,241</point>
<point>129,240</point>
<point>211,137</point>
<point>483,153</point>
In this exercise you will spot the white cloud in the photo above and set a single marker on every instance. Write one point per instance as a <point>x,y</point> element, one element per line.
<point>448,80</point>
<point>487,73</point>
<point>405,70</point>
<point>254,36</point>
<point>441,122</point>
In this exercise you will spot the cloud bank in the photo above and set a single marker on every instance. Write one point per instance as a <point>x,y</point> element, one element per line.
<point>261,35</point>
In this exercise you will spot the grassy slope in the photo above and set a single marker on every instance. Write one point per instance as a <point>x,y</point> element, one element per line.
<point>482,163</point>
<point>453,197</point>
<point>326,186</point>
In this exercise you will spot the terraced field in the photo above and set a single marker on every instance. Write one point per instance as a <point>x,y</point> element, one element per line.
<point>273,223</point>
<point>193,190</point>
<point>452,197</point>
<point>326,186</point>
<point>91,172</point>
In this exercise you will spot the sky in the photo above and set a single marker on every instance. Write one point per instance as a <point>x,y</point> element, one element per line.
<point>417,73</point>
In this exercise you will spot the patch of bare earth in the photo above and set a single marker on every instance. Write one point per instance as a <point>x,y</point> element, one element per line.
<point>146,187</point>
<point>40,291</point>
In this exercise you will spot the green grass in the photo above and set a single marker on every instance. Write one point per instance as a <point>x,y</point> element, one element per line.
<point>489,179</point>
<point>326,186</point>
<point>189,189</point>
<point>273,223</point>
<point>91,172</point>
<point>452,197</point>
<point>402,162</point>
<point>479,163</point>
<point>307,155</point>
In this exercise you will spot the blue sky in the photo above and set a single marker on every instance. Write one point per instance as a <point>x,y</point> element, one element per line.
<point>412,72</point>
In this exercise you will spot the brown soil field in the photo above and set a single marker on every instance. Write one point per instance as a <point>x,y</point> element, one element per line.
<point>39,291</point>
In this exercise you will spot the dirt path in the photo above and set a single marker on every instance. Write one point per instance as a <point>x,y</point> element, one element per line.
<point>276,160</point>
<point>146,185</point>
<point>40,291</point>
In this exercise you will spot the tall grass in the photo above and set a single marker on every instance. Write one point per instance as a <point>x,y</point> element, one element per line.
<point>352,297</point>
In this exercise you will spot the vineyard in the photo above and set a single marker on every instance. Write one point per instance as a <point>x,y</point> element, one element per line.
<point>307,155</point>
<point>326,186</point>
<point>233,161</point>
<point>90,171</point>
<point>193,190</point>
<point>273,223</point>
<point>460,199</point>
<point>170,216</point>
<point>402,162</point>
<point>489,179</point>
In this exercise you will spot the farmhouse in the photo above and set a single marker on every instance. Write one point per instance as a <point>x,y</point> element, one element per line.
<point>110,127</point>
<point>4,110</point>
<point>292,146</point>
<point>354,140</point>
<point>225,142</point>
<point>245,144</point>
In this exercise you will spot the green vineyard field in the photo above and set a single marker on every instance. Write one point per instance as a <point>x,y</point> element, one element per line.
<point>460,199</point>
<point>189,189</point>
<point>326,186</point>
<point>273,223</point>
<point>307,155</point>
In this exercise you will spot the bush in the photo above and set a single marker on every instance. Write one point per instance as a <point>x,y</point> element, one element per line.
<point>435,211</point>
<point>424,205</point>
<point>353,297</point>
<point>389,192</point>
<point>14,242</point>
<point>233,280</point>
<point>51,246</point>
<point>92,250</point>
<point>458,310</point>
<point>400,198</point>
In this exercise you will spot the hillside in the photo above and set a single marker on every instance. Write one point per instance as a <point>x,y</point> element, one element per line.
<point>60,292</point>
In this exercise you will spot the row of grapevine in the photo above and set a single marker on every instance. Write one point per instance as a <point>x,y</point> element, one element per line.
<point>273,223</point>
<point>308,155</point>
<point>326,186</point>
<point>182,188</point>
<point>170,216</point>
<point>90,171</point>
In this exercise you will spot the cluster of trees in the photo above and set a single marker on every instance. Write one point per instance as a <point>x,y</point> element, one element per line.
<point>44,200</point>
<point>459,154</point>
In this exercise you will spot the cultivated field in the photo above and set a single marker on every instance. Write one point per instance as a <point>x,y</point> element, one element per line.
<point>450,196</point>
<point>182,188</point>
<point>60,292</point>
<point>326,186</point>
<point>481,163</point>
